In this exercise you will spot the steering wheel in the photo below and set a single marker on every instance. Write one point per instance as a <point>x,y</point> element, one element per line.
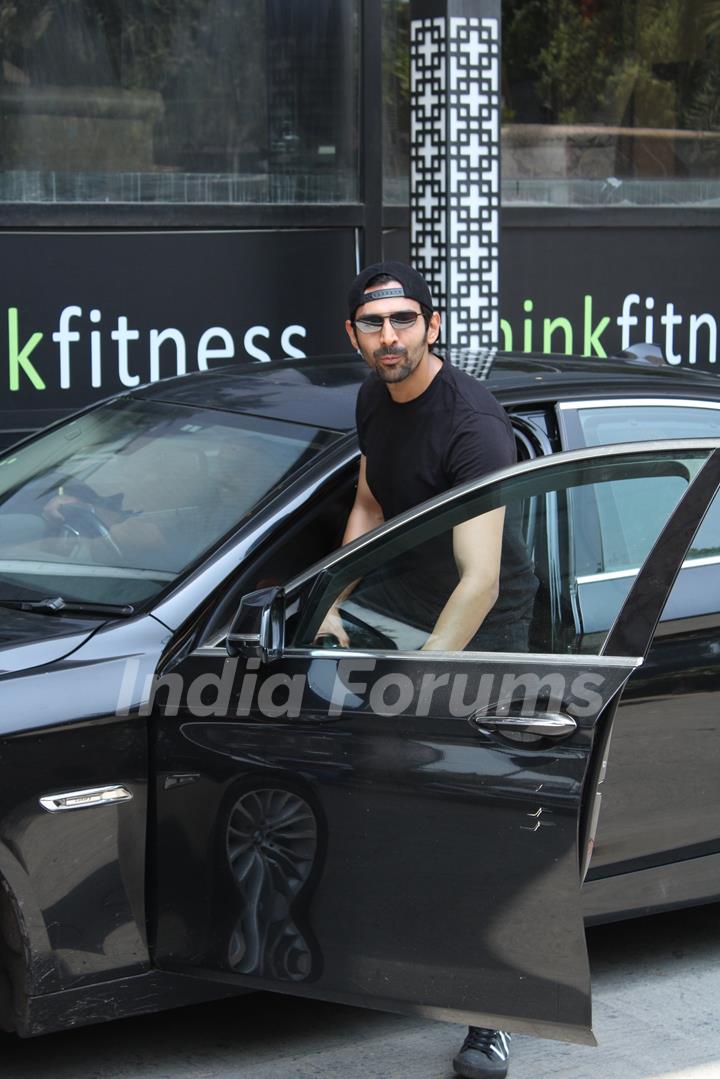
<point>80,522</point>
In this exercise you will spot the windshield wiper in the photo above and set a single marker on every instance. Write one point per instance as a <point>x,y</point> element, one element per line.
<point>58,605</point>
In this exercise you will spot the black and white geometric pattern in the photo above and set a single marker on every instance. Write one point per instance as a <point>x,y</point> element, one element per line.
<point>478,362</point>
<point>428,154</point>
<point>455,172</point>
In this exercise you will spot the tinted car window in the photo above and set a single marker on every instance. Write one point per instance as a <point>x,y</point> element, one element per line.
<point>112,506</point>
<point>391,595</point>
<point>627,509</point>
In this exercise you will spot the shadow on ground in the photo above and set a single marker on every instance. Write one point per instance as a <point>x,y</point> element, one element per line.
<point>654,980</point>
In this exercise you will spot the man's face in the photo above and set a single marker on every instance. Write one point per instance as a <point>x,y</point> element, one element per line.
<point>394,354</point>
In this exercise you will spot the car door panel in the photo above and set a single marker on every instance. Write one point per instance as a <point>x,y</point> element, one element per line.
<point>383,839</point>
<point>472,795</point>
<point>662,798</point>
<point>667,710</point>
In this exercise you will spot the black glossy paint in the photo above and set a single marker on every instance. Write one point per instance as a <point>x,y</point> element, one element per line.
<point>662,796</point>
<point>433,864</point>
<point>78,876</point>
<point>28,639</point>
<point>78,879</point>
<point>322,392</point>
<point>662,800</point>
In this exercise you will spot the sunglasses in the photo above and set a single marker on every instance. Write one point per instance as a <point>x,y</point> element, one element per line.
<point>399,320</point>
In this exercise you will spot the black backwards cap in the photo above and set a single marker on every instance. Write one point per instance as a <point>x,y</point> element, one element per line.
<point>414,285</point>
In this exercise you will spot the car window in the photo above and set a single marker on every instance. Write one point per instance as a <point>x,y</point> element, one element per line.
<point>624,508</point>
<point>301,542</point>
<point>605,424</point>
<point>112,506</point>
<point>315,531</point>
<point>391,593</point>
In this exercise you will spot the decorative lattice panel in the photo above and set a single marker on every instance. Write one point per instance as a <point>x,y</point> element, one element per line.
<point>455,172</point>
<point>428,156</point>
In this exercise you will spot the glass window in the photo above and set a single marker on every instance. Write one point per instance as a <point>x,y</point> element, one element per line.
<point>396,100</point>
<point>181,101</point>
<point>604,101</point>
<point>112,506</point>
<point>611,101</point>
<point>393,594</point>
<point>625,508</point>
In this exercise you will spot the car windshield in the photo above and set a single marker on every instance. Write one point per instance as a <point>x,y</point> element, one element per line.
<point>112,506</point>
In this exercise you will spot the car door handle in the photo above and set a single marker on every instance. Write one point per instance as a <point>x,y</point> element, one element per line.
<point>547,725</point>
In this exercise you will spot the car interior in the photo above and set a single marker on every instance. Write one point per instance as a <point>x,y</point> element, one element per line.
<point>317,531</point>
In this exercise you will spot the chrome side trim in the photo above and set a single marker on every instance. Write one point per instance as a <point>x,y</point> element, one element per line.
<point>626,402</point>
<point>531,659</point>
<point>616,575</point>
<point>569,659</point>
<point>85,799</point>
<point>710,560</point>
<point>611,575</point>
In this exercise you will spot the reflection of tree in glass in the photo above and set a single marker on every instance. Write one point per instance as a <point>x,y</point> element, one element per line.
<point>703,552</point>
<point>127,43</point>
<point>185,50</point>
<point>396,86</point>
<point>635,63</point>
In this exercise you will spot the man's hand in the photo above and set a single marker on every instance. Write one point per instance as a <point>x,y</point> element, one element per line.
<point>52,511</point>
<point>332,626</point>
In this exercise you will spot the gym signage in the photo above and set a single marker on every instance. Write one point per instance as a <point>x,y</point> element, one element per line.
<point>88,314</point>
<point>595,290</point>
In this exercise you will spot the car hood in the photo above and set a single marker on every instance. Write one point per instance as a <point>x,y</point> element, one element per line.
<point>29,639</point>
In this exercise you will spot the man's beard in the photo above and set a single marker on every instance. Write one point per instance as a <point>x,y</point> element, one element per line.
<point>400,370</point>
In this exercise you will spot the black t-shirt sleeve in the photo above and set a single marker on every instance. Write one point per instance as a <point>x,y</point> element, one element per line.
<point>480,444</point>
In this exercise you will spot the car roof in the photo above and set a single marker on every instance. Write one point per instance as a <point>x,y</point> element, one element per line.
<point>321,391</point>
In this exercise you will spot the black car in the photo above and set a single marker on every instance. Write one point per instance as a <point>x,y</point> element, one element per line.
<point>200,797</point>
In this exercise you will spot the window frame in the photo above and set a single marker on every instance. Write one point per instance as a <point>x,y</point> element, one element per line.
<point>365,214</point>
<point>312,588</point>
<point>572,437</point>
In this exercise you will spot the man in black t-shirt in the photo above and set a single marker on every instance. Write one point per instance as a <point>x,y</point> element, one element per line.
<point>425,427</point>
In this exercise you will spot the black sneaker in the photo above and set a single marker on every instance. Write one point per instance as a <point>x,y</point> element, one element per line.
<point>484,1054</point>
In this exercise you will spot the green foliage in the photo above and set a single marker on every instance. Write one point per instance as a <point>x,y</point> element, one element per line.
<point>23,22</point>
<point>642,63</point>
<point>524,25</point>
<point>703,110</point>
<point>396,86</point>
<point>575,64</point>
<point>131,43</point>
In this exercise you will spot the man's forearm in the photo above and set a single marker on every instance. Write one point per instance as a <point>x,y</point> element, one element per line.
<point>462,615</point>
<point>477,546</point>
<point>360,521</point>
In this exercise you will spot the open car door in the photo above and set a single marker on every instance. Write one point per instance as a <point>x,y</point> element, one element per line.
<point>403,828</point>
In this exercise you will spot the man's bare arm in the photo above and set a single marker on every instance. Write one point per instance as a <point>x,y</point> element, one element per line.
<point>477,546</point>
<point>365,515</point>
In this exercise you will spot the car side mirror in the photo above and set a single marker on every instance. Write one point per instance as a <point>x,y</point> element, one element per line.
<point>257,629</point>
